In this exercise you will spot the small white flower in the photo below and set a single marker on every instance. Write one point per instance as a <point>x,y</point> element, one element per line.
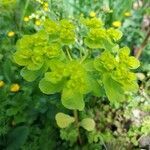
<point>37,16</point>
<point>136,113</point>
<point>146,103</point>
<point>32,16</point>
<point>43,18</point>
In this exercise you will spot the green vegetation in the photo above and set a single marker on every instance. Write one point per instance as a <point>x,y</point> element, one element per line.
<point>74,75</point>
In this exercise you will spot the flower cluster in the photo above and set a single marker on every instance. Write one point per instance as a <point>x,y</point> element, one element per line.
<point>98,36</point>
<point>47,53</point>
<point>119,66</point>
<point>34,51</point>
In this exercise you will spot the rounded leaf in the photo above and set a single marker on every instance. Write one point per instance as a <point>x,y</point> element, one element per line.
<point>88,124</point>
<point>63,120</point>
<point>29,75</point>
<point>50,88</point>
<point>72,100</point>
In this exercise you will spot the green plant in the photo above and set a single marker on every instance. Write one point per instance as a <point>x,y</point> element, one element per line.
<point>99,68</point>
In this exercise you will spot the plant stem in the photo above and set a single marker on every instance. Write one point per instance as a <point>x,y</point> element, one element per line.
<point>77,125</point>
<point>68,53</point>
<point>23,13</point>
<point>86,55</point>
<point>141,48</point>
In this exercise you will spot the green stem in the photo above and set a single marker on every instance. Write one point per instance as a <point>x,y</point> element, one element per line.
<point>23,13</point>
<point>85,56</point>
<point>77,125</point>
<point>68,53</point>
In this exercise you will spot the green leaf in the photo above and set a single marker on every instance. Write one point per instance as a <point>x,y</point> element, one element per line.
<point>97,89</point>
<point>35,66</point>
<point>113,89</point>
<point>89,65</point>
<point>53,77</point>
<point>102,43</point>
<point>72,100</point>
<point>50,88</point>
<point>63,120</point>
<point>7,70</point>
<point>88,124</point>
<point>29,75</point>
<point>22,57</point>
<point>17,138</point>
<point>12,111</point>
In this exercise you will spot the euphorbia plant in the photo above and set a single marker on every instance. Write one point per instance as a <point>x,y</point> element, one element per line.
<point>98,66</point>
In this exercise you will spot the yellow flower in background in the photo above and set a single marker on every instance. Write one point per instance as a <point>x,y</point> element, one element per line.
<point>10,34</point>
<point>45,8</point>
<point>116,24</point>
<point>1,83</point>
<point>38,22</point>
<point>26,19</point>
<point>92,14</point>
<point>45,4</point>
<point>127,14</point>
<point>81,15</point>
<point>13,123</point>
<point>15,87</point>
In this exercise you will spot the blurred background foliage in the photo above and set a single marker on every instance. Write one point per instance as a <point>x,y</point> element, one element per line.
<point>27,116</point>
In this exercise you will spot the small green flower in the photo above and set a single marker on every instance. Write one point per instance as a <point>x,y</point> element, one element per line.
<point>98,38</point>
<point>67,32</point>
<point>67,36</point>
<point>93,22</point>
<point>105,62</point>
<point>115,34</point>
<point>52,50</point>
<point>126,78</point>
<point>65,24</point>
<point>52,29</point>
<point>126,60</point>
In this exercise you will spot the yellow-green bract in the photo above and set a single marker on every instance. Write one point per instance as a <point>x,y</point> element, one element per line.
<point>49,55</point>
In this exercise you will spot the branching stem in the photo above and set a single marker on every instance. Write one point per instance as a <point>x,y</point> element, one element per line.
<point>141,48</point>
